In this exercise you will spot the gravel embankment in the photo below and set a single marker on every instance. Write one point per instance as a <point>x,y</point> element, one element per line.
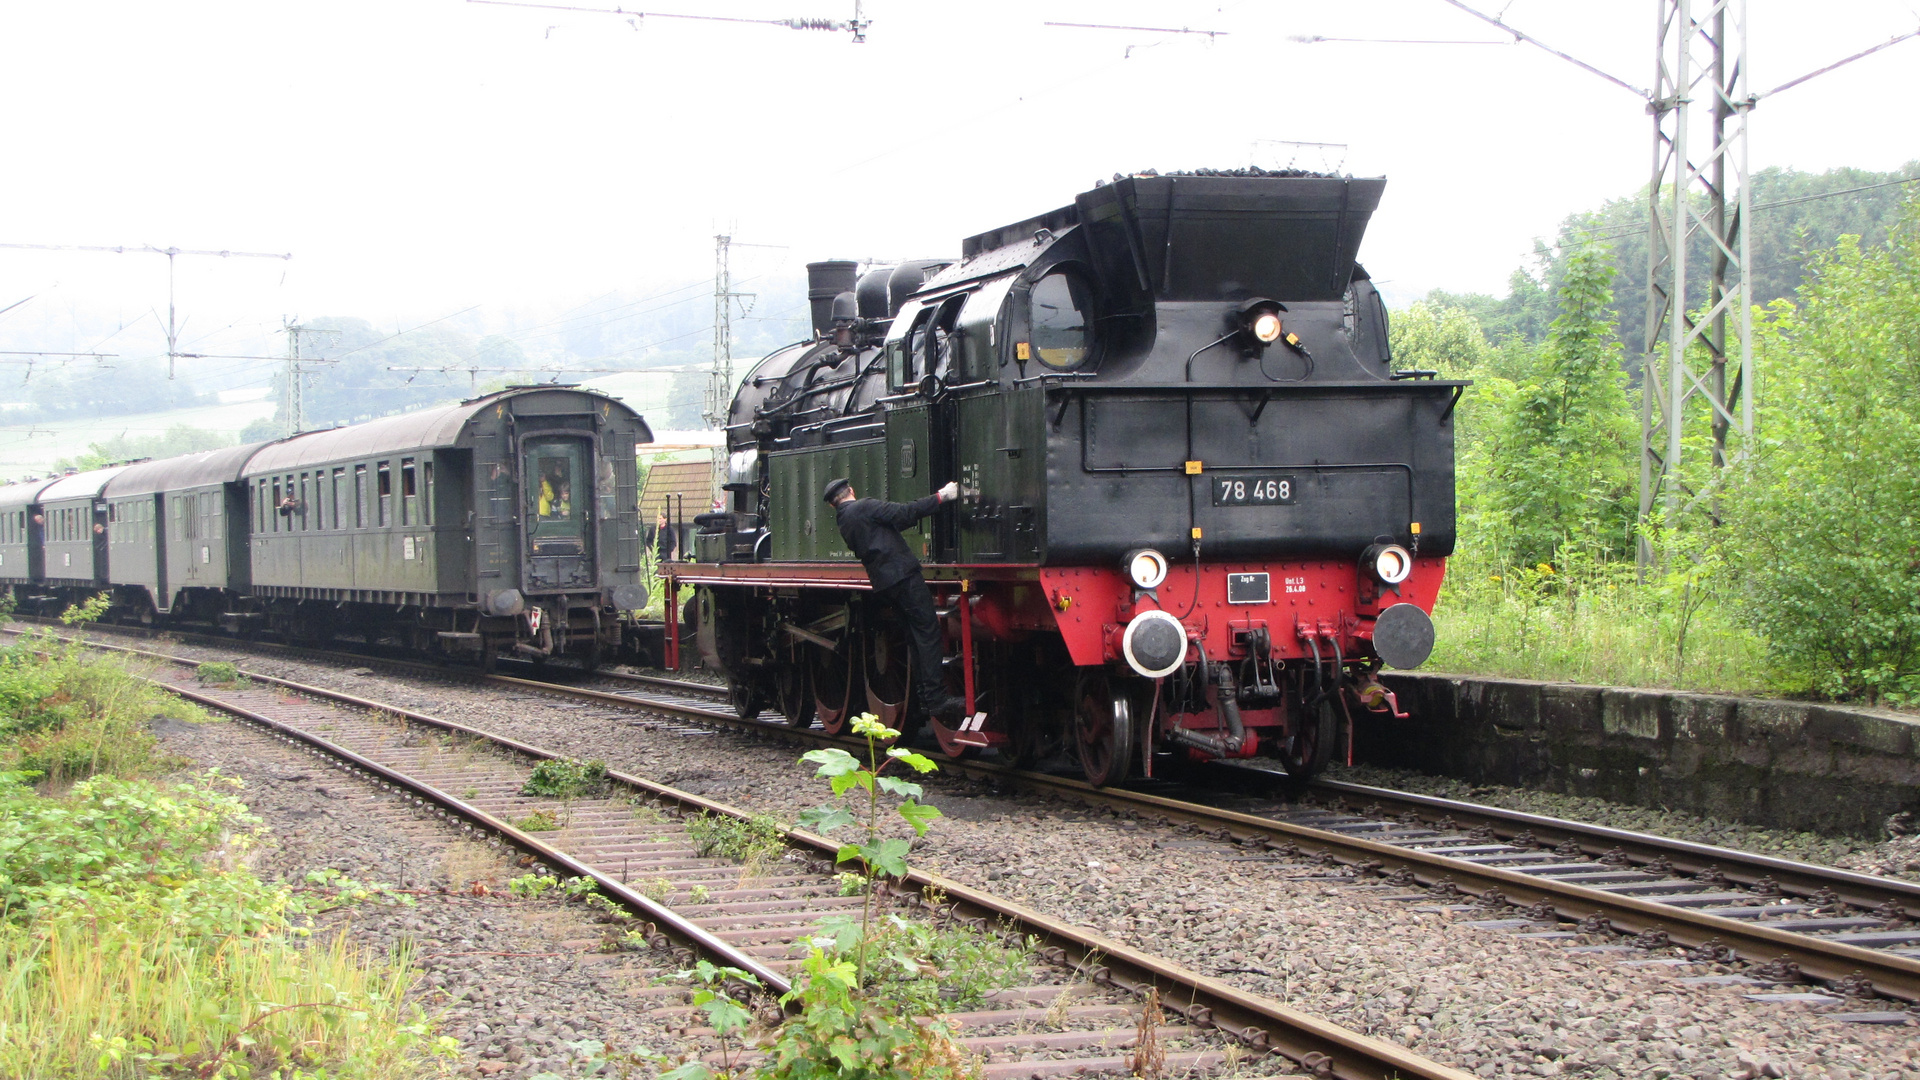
<point>518,982</point>
<point>1486,1001</point>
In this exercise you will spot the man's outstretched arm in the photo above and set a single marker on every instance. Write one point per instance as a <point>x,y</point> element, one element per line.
<point>903,515</point>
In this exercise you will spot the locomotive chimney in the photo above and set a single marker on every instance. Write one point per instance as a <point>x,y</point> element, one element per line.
<point>826,280</point>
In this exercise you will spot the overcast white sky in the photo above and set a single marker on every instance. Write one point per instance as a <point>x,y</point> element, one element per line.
<point>418,157</point>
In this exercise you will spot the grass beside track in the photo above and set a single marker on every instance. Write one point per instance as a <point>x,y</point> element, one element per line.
<point>134,941</point>
<point>1598,627</point>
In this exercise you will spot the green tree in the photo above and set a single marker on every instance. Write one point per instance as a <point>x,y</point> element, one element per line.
<point>1561,455</point>
<point>1828,527</point>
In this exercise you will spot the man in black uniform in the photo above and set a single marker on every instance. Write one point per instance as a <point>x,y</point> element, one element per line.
<point>872,529</point>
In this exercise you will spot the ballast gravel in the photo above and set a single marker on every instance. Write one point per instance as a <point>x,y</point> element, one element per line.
<point>1412,971</point>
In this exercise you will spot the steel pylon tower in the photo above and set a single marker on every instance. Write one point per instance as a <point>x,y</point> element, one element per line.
<point>1700,89</point>
<point>720,380</point>
<point>296,375</point>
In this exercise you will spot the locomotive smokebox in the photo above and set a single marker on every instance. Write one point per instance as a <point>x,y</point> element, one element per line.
<point>826,280</point>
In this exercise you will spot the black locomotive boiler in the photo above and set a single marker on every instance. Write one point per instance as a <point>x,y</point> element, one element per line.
<point>504,525</point>
<point>1200,507</point>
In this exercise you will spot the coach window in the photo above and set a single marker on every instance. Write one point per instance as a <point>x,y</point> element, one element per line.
<point>409,509</point>
<point>359,496</point>
<point>1062,331</point>
<point>339,481</point>
<point>385,470</point>
<point>426,491</point>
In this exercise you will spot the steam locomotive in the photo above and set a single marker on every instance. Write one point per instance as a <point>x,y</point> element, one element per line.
<point>1200,507</point>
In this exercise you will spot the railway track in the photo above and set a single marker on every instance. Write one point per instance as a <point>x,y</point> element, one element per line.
<point>1792,920</point>
<point>1531,873</point>
<point>647,862</point>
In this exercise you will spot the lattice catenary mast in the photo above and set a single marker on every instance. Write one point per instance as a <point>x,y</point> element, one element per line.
<point>1701,52</point>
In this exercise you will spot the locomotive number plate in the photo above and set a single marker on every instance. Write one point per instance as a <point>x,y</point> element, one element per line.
<point>1253,490</point>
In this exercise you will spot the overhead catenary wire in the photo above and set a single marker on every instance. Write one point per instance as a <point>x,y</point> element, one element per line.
<point>1139,29</point>
<point>857,25</point>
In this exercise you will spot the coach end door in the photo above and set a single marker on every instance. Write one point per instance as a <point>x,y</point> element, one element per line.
<point>557,491</point>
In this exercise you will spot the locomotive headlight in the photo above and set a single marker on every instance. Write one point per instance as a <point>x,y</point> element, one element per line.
<point>1390,563</point>
<point>1147,568</point>
<point>1260,321</point>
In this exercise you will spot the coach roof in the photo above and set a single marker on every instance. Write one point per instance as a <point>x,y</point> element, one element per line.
<point>206,468</point>
<point>424,430</point>
<point>84,485</point>
<point>24,493</point>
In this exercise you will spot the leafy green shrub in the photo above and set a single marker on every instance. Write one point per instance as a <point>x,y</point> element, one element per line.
<point>67,713</point>
<point>564,778</point>
<point>1829,526</point>
<point>754,841</point>
<point>217,673</point>
<point>846,1030</point>
<point>538,821</point>
<point>532,886</point>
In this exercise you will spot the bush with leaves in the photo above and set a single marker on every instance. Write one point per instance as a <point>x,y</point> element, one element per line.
<point>1828,527</point>
<point>565,778</point>
<point>67,713</point>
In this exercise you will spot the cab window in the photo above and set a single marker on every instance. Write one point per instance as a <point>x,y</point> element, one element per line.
<point>1061,328</point>
<point>905,362</point>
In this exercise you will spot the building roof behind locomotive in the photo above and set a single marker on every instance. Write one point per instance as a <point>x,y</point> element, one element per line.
<point>184,473</point>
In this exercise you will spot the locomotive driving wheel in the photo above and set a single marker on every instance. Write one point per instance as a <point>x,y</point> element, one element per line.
<point>1103,729</point>
<point>1311,733</point>
<point>836,687</point>
<point>889,674</point>
<point>793,692</point>
<point>746,698</point>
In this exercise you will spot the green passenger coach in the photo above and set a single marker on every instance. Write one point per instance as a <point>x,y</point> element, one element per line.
<point>505,523</point>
